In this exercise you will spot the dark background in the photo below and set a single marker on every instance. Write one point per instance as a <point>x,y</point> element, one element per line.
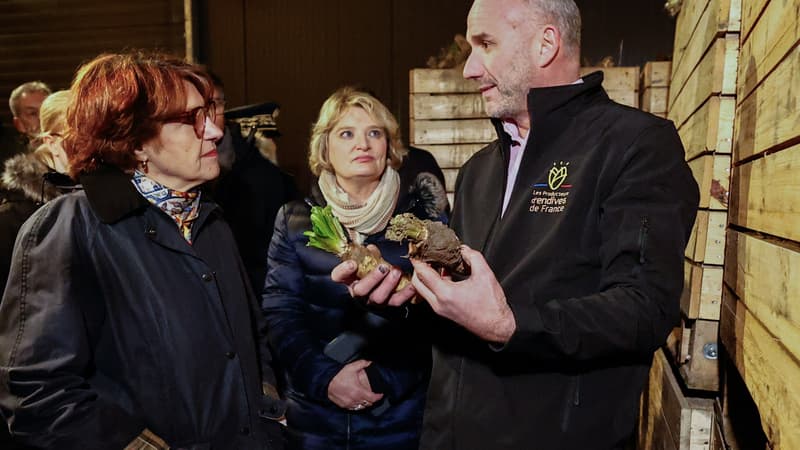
<point>294,52</point>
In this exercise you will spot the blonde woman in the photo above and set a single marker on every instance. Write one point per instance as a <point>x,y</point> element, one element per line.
<point>354,380</point>
<point>32,179</point>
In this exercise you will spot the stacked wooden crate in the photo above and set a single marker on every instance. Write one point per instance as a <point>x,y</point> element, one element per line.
<point>655,87</point>
<point>702,97</point>
<point>760,324</point>
<point>669,420</point>
<point>448,118</point>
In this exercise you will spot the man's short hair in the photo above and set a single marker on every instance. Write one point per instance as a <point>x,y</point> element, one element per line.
<point>25,88</point>
<point>565,15</point>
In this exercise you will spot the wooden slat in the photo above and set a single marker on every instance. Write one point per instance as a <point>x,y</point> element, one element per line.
<point>767,368</point>
<point>712,173</point>
<point>446,106</point>
<point>616,78</point>
<point>450,176</point>
<point>669,419</point>
<point>710,128</point>
<point>466,131</point>
<point>440,81</point>
<point>707,241</point>
<point>775,33</point>
<point>452,156</point>
<point>751,10</point>
<point>656,74</point>
<point>765,194</point>
<point>695,31</point>
<point>770,114</point>
<point>764,277</point>
<point>702,290</point>
<point>714,75</point>
<point>81,15</point>
<point>654,99</point>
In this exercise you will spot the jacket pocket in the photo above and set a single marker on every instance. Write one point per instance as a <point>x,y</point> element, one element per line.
<point>572,400</point>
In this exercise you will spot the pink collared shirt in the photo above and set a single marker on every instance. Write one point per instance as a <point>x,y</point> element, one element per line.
<point>517,145</point>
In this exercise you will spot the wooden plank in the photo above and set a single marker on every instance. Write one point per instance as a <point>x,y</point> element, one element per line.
<point>707,241</point>
<point>440,81</point>
<point>714,75</point>
<point>710,128</point>
<point>712,173</point>
<point>717,438</point>
<point>654,429</point>
<point>624,97</point>
<point>616,78</point>
<point>452,156</point>
<point>670,420</point>
<point>656,74</point>
<point>769,371</point>
<point>769,115</point>
<point>765,194</point>
<point>701,369</point>
<point>446,106</point>
<point>751,10</point>
<point>654,99</point>
<point>450,176</point>
<point>466,131</point>
<point>764,277</point>
<point>692,40</point>
<point>702,289</point>
<point>774,35</point>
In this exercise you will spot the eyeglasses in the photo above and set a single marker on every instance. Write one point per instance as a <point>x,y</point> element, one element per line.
<point>196,117</point>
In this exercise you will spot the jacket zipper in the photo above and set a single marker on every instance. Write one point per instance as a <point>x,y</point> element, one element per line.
<point>643,229</point>
<point>347,445</point>
<point>573,401</point>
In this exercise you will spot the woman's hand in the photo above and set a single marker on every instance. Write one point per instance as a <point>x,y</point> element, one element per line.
<point>350,388</point>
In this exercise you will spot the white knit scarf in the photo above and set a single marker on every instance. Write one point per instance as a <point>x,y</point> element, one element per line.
<point>368,218</point>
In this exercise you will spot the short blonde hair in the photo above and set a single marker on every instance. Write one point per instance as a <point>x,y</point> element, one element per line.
<point>332,111</point>
<point>52,120</point>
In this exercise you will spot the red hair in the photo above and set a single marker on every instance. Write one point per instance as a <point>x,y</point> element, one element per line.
<point>119,102</point>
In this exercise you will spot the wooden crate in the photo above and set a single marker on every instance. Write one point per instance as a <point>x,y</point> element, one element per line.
<point>668,419</point>
<point>707,241</point>
<point>699,24</point>
<point>655,87</point>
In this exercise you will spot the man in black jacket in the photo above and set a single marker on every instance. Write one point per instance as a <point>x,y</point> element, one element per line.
<point>578,216</point>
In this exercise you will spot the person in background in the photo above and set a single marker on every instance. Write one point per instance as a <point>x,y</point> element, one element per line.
<point>574,223</point>
<point>127,318</point>
<point>354,380</point>
<point>24,103</point>
<point>250,190</point>
<point>32,179</point>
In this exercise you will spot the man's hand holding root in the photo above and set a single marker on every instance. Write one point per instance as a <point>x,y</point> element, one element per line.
<point>477,303</point>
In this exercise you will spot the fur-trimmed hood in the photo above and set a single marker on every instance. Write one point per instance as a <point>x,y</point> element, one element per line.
<point>37,182</point>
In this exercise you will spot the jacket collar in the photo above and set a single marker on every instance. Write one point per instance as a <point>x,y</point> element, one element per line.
<point>549,106</point>
<point>111,194</point>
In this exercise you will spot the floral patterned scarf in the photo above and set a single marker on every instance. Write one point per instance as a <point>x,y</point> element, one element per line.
<point>182,207</point>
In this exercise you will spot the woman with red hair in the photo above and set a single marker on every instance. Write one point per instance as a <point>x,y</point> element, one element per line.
<point>127,313</point>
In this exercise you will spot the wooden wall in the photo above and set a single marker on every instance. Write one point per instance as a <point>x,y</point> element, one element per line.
<point>760,326</point>
<point>47,40</point>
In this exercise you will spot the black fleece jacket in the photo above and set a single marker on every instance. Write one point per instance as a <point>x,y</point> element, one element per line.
<point>590,255</point>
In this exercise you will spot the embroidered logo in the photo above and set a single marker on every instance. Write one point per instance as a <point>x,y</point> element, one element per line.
<point>557,175</point>
<point>551,197</point>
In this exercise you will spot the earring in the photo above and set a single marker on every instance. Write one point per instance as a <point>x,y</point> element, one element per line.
<point>144,166</point>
